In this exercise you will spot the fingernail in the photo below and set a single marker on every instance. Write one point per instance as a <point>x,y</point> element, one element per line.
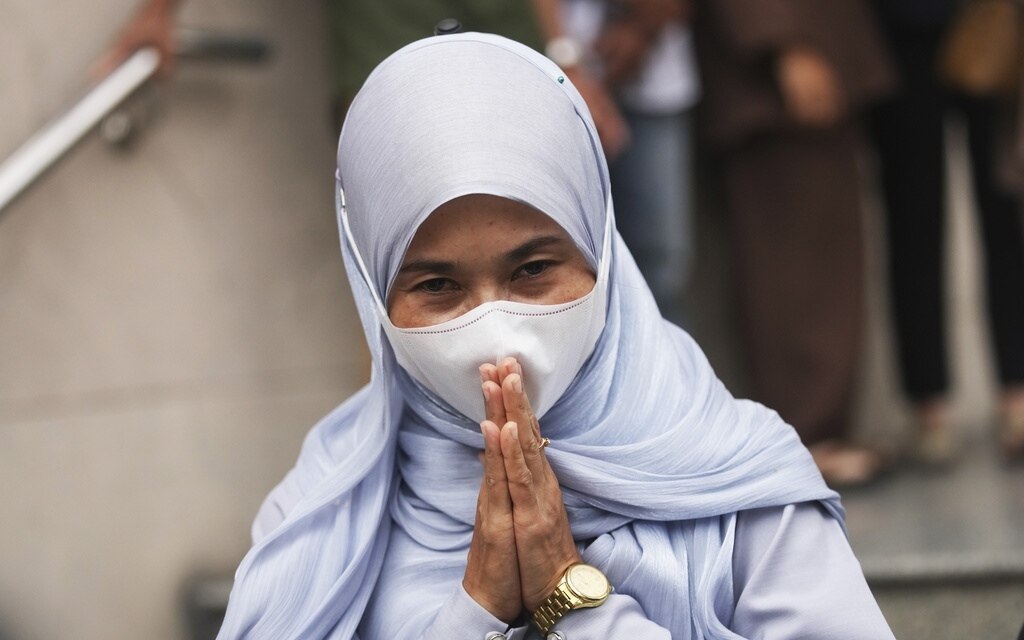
<point>483,388</point>
<point>519,368</point>
<point>483,375</point>
<point>517,383</point>
<point>514,428</point>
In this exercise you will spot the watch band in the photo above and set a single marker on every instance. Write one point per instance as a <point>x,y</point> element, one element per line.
<point>551,610</point>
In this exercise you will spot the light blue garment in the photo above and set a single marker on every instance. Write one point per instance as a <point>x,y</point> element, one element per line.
<point>654,456</point>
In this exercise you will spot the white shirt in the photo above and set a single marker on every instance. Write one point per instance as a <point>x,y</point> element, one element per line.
<point>667,83</point>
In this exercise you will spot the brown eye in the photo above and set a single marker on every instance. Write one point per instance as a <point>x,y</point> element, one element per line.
<point>532,269</point>
<point>436,285</point>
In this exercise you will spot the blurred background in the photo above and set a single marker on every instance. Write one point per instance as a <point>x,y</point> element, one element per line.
<point>174,314</point>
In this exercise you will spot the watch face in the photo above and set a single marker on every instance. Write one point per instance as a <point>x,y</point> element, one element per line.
<point>588,582</point>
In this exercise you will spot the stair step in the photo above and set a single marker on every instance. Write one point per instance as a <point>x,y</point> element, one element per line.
<point>964,611</point>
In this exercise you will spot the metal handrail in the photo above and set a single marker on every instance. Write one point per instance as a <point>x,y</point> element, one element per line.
<point>47,146</point>
<point>43,149</point>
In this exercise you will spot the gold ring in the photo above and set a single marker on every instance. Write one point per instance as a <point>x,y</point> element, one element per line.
<point>544,442</point>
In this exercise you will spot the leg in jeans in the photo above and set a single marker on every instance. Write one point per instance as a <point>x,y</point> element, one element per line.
<point>652,187</point>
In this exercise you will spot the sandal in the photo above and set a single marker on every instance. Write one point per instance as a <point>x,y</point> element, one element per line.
<point>845,465</point>
<point>935,445</point>
<point>1011,435</point>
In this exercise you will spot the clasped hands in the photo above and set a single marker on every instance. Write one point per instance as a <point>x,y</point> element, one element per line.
<point>522,542</point>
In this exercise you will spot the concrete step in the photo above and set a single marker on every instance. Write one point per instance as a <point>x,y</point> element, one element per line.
<point>944,551</point>
<point>954,611</point>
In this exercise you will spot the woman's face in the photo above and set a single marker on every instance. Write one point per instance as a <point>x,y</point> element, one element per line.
<point>481,248</point>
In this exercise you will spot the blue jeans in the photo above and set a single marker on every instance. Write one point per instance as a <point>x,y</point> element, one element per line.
<point>652,187</point>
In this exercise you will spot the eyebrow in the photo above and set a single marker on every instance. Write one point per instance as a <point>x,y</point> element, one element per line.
<point>445,267</point>
<point>433,266</point>
<point>524,250</point>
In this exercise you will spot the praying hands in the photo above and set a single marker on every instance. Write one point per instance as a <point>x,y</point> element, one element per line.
<point>522,542</point>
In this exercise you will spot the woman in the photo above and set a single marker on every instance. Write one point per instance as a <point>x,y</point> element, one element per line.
<point>785,83</point>
<point>910,135</point>
<point>477,230</point>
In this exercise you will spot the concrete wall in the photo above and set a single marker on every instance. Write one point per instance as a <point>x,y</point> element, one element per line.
<point>172,319</point>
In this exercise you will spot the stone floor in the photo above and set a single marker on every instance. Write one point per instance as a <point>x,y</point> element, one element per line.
<point>966,522</point>
<point>944,551</point>
<point>958,611</point>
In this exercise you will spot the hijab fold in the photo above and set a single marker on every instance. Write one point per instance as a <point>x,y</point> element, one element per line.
<point>655,457</point>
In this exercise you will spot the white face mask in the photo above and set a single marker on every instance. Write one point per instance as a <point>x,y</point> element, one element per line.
<point>550,341</point>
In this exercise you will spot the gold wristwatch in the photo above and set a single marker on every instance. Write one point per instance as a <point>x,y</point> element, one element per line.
<point>580,587</point>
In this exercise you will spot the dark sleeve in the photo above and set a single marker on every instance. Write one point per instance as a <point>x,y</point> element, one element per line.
<point>752,28</point>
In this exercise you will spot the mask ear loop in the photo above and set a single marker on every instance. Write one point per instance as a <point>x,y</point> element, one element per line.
<point>606,243</point>
<point>350,240</point>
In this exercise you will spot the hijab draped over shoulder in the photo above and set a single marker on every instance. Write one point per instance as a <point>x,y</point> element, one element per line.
<point>367,536</point>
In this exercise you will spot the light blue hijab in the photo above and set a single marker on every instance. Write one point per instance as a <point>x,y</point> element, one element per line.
<point>368,534</point>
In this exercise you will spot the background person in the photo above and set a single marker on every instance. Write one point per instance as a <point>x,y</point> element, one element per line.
<point>909,134</point>
<point>643,51</point>
<point>785,81</point>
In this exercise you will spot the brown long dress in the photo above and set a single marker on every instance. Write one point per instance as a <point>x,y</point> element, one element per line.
<point>793,197</point>
<point>1020,133</point>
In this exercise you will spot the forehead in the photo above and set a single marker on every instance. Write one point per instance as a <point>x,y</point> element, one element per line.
<point>477,222</point>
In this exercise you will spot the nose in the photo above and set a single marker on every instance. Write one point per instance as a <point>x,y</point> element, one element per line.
<point>485,292</point>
